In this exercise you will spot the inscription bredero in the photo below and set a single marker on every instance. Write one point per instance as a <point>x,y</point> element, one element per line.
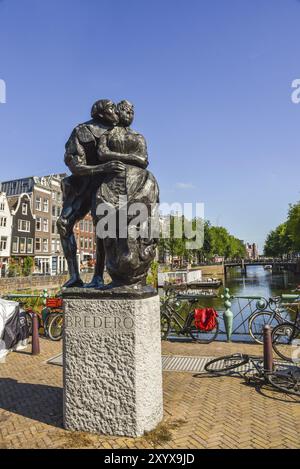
<point>105,322</point>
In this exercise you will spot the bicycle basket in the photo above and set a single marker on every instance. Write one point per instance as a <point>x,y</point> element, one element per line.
<point>205,319</point>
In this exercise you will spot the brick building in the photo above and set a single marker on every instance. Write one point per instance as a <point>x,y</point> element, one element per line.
<point>46,200</point>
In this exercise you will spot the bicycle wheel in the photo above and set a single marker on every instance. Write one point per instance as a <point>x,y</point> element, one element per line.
<point>164,326</point>
<point>285,341</point>
<point>287,381</point>
<point>47,322</point>
<point>203,337</point>
<point>257,321</point>
<point>55,327</point>
<point>29,322</point>
<point>226,363</point>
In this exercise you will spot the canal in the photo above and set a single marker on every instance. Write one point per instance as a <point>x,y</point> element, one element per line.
<point>259,283</point>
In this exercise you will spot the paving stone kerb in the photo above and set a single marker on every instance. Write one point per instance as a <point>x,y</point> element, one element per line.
<point>112,365</point>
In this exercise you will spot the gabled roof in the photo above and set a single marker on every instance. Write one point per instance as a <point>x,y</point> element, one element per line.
<point>12,202</point>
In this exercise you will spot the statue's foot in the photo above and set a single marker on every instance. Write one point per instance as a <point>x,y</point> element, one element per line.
<point>96,282</point>
<point>112,285</point>
<point>74,282</point>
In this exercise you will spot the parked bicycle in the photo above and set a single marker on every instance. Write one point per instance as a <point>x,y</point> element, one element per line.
<point>271,312</point>
<point>49,318</point>
<point>285,378</point>
<point>286,336</point>
<point>173,320</point>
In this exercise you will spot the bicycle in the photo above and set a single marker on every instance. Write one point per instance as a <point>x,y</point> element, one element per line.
<point>270,313</point>
<point>55,326</point>
<point>286,336</point>
<point>45,317</point>
<point>171,317</point>
<point>284,377</point>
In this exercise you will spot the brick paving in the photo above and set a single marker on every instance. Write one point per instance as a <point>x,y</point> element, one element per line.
<point>200,411</point>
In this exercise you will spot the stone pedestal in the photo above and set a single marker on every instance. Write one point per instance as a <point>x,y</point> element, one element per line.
<point>112,363</point>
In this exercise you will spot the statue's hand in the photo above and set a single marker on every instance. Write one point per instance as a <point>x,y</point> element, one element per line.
<point>113,167</point>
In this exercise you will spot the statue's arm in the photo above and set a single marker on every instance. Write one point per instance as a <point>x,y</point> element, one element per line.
<point>137,159</point>
<point>75,158</point>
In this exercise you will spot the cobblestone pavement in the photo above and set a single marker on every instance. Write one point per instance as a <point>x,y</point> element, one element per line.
<point>200,411</point>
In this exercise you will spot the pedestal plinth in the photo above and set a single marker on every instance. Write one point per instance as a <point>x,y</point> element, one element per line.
<point>112,363</point>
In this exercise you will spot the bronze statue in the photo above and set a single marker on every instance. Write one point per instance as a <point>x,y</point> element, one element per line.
<point>79,188</point>
<point>108,160</point>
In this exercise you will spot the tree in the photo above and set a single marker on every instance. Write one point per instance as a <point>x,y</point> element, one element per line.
<point>27,266</point>
<point>278,242</point>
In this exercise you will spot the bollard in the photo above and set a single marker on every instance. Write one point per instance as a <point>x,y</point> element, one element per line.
<point>268,351</point>
<point>35,346</point>
<point>228,314</point>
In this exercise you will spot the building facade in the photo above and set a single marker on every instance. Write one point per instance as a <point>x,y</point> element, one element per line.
<point>86,242</point>
<point>23,229</point>
<point>252,251</point>
<point>5,234</point>
<point>46,199</point>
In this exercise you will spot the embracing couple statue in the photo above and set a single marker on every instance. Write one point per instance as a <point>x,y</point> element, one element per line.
<point>108,162</point>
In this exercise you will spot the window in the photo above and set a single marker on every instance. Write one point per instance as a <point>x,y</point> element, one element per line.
<point>22,245</point>
<point>38,224</point>
<point>81,243</point>
<point>15,244</point>
<point>81,226</point>
<point>45,225</point>
<point>3,243</point>
<point>53,247</point>
<point>91,243</point>
<point>54,210</point>
<point>53,230</point>
<point>24,225</point>
<point>46,205</point>
<point>3,221</point>
<point>2,207</point>
<point>45,245</point>
<point>86,243</point>
<point>24,209</point>
<point>86,226</point>
<point>29,245</point>
<point>58,211</point>
<point>53,195</point>
<point>38,244</point>
<point>38,203</point>
<point>91,227</point>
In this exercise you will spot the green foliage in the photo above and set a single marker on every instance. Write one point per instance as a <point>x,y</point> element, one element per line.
<point>152,277</point>
<point>14,269</point>
<point>216,241</point>
<point>27,266</point>
<point>285,239</point>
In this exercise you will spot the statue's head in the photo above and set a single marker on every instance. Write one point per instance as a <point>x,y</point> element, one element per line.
<point>106,111</point>
<point>125,111</point>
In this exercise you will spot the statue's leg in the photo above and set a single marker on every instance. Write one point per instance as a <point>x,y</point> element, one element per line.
<point>97,280</point>
<point>74,209</point>
<point>65,228</point>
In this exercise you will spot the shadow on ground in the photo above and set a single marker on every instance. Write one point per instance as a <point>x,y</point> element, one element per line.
<point>36,401</point>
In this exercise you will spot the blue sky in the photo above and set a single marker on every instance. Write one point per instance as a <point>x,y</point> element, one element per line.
<point>210,79</point>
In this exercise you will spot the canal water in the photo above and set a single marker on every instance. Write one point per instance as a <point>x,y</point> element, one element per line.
<point>258,282</point>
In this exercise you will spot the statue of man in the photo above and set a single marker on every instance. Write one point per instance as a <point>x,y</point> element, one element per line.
<point>80,188</point>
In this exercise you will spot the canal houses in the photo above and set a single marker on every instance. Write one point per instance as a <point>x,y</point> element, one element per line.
<point>23,229</point>
<point>5,234</point>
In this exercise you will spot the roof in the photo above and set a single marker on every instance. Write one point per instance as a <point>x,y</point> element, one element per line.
<point>12,202</point>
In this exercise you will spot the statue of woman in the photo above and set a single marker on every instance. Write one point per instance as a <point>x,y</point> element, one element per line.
<point>128,259</point>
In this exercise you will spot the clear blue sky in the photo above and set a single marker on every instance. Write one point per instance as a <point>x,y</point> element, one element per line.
<point>211,81</point>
